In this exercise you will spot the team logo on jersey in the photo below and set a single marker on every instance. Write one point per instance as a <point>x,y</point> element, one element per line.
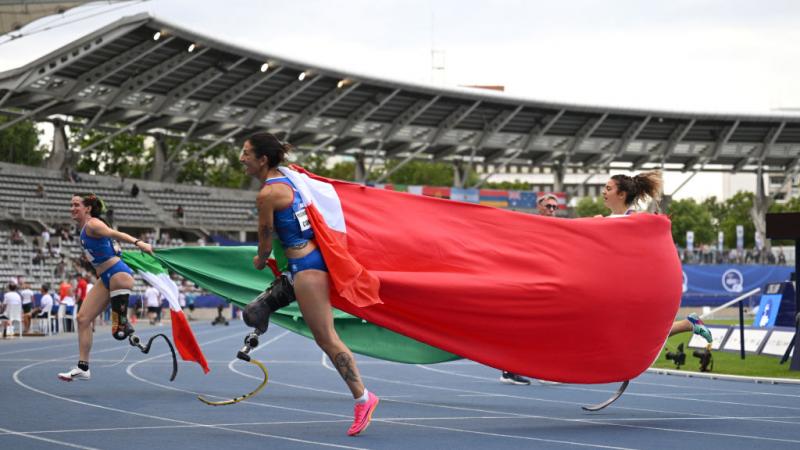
<point>733,280</point>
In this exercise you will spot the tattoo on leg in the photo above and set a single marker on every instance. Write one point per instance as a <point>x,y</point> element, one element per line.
<point>344,364</point>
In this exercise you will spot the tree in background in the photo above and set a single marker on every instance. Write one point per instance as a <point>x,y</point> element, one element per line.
<point>736,211</point>
<point>218,167</point>
<point>318,164</point>
<point>19,143</point>
<point>515,185</point>
<point>688,215</point>
<point>425,172</point>
<point>590,207</point>
<point>124,155</point>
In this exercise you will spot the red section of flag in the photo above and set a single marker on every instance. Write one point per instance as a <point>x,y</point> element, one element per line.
<point>578,301</point>
<point>348,277</point>
<point>185,341</point>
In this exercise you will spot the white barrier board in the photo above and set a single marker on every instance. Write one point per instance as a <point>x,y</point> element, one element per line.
<point>777,343</point>
<point>752,340</point>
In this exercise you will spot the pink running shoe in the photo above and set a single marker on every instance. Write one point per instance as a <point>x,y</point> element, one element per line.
<point>363,415</point>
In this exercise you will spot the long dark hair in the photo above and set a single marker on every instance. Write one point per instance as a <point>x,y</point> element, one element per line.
<point>647,184</point>
<point>266,144</point>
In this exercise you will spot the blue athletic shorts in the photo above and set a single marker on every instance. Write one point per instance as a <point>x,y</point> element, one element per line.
<point>116,268</point>
<point>312,260</point>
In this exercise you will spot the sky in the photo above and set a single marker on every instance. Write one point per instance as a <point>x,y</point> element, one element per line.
<point>727,56</point>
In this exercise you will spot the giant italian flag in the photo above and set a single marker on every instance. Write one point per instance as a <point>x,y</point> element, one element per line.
<point>581,301</point>
<point>155,275</point>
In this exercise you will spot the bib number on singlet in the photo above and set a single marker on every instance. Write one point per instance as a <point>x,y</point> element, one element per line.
<point>302,219</point>
<point>89,255</point>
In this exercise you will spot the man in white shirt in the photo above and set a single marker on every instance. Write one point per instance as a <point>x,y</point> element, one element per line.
<point>11,297</point>
<point>153,303</point>
<point>45,305</point>
<point>27,304</point>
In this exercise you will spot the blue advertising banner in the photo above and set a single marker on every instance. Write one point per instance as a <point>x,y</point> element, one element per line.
<point>767,310</point>
<point>713,285</point>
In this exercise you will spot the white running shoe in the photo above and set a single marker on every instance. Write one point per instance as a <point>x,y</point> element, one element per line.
<point>75,374</point>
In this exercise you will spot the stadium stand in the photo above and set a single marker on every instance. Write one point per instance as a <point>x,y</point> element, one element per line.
<point>37,199</point>
<point>209,209</point>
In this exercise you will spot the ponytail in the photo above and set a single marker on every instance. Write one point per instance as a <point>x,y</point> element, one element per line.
<point>636,188</point>
<point>266,144</point>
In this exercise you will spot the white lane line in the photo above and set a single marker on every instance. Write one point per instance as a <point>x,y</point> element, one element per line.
<point>129,370</point>
<point>637,381</point>
<point>632,394</point>
<point>39,438</point>
<point>552,441</point>
<point>17,380</point>
<point>270,423</point>
<point>568,419</point>
<point>509,436</point>
<point>35,349</point>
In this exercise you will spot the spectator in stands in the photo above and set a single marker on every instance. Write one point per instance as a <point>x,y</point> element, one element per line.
<point>63,230</point>
<point>279,205</point>
<point>40,190</point>
<point>45,304</point>
<point>11,297</point>
<point>97,240</point>
<point>135,190</point>
<point>781,257</point>
<point>110,216</point>
<point>153,303</point>
<point>621,195</point>
<point>54,311</point>
<point>61,268</point>
<point>16,237</point>
<point>53,251</point>
<point>38,258</point>
<point>27,305</point>
<point>547,205</point>
<point>179,212</point>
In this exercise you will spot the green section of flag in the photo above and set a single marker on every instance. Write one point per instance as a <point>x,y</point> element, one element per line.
<point>229,273</point>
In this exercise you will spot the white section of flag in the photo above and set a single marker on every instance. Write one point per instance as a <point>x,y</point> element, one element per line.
<point>165,286</point>
<point>320,194</point>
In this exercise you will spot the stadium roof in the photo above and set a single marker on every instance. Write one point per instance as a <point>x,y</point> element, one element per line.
<point>143,75</point>
<point>14,14</point>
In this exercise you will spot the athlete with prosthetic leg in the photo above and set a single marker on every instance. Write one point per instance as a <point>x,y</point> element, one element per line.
<point>281,210</point>
<point>98,241</point>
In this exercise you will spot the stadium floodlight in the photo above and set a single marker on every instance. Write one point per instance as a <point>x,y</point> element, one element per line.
<point>156,35</point>
<point>265,67</point>
<point>191,48</point>
<point>302,76</point>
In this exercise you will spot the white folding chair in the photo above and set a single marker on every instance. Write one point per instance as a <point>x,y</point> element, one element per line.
<point>14,314</point>
<point>63,317</point>
<point>43,323</point>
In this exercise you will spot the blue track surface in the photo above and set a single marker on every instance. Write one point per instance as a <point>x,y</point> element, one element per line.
<point>460,405</point>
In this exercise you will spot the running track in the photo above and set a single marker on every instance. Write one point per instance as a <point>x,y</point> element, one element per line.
<point>130,404</point>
